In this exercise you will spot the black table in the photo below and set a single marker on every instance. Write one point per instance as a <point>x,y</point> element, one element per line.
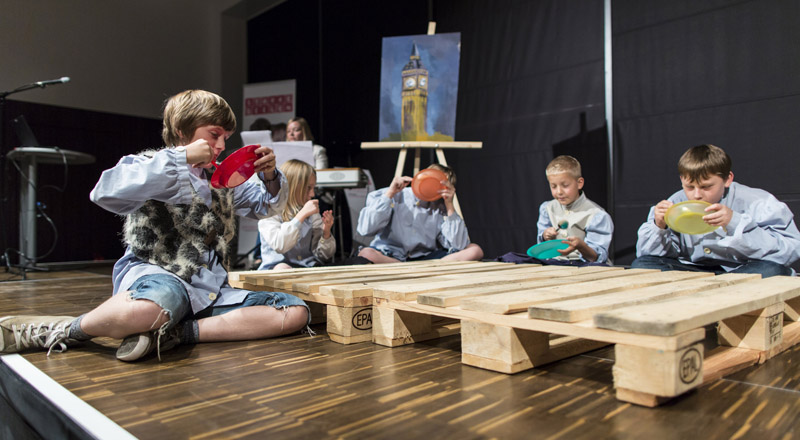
<point>29,159</point>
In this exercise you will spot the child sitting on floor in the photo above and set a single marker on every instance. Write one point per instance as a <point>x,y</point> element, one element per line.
<point>299,236</point>
<point>573,218</point>
<point>171,285</point>
<point>407,228</point>
<point>756,233</point>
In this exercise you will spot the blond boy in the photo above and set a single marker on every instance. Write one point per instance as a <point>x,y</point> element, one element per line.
<point>171,286</point>
<point>572,218</point>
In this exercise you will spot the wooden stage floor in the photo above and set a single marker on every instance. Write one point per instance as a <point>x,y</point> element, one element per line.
<point>309,387</point>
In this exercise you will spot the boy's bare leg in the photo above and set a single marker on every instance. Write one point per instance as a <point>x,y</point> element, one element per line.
<point>120,316</point>
<point>472,252</point>
<point>254,322</point>
<point>376,257</point>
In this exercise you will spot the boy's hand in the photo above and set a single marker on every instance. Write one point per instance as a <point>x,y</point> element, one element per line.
<point>573,243</point>
<point>266,161</point>
<point>576,243</point>
<point>327,223</point>
<point>397,185</point>
<point>718,215</point>
<point>661,211</point>
<point>311,207</point>
<point>549,234</point>
<point>199,154</point>
<point>448,193</point>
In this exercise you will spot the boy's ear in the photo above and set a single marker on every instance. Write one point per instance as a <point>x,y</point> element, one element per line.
<point>580,182</point>
<point>729,180</point>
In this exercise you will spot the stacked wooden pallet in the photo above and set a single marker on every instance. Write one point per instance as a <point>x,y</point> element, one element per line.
<point>346,291</point>
<point>656,320</point>
<point>513,318</point>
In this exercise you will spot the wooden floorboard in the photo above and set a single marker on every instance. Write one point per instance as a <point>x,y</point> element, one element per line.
<point>309,387</point>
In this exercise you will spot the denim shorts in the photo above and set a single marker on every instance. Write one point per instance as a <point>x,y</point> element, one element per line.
<point>170,294</point>
<point>432,255</point>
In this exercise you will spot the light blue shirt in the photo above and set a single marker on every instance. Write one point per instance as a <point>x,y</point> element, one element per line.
<point>166,177</point>
<point>406,227</point>
<point>762,228</point>
<point>584,219</point>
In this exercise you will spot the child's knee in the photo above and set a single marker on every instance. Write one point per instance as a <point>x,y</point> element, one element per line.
<point>477,251</point>
<point>146,315</point>
<point>368,253</point>
<point>296,319</point>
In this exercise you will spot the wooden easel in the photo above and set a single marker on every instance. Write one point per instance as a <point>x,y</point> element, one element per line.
<point>418,145</point>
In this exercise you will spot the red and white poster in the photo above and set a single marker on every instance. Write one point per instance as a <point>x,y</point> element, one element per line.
<point>274,101</point>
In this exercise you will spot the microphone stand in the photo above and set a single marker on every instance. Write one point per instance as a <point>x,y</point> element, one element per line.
<point>3,95</point>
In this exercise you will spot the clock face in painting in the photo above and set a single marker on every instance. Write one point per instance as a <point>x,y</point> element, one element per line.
<point>423,81</point>
<point>410,82</point>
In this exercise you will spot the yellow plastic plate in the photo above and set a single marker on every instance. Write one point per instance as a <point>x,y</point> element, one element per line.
<point>687,217</point>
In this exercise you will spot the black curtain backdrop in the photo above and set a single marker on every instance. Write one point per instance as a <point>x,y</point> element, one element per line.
<point>531,87</point>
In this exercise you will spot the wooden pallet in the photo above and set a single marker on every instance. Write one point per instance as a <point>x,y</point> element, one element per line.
<point>346,291</point>
<point>655,319</point>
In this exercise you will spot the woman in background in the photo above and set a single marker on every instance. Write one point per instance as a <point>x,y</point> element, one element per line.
<point>298,130</point>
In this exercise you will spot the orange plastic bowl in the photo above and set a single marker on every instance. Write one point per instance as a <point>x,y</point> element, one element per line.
<point>236,168</point>
<point>427,184</point>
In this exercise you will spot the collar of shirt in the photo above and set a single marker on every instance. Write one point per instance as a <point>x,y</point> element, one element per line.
<point>197,177</point>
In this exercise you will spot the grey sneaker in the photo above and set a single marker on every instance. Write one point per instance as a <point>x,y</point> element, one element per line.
<point>18,333</point>
<point>135,347</point>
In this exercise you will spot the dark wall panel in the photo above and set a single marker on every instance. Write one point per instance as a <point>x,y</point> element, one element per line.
<point>284,44</point>
<point>85,231</point>
<point>530,88</point>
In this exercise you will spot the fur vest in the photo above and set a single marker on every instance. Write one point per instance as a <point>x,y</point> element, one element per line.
<point>178,237</point>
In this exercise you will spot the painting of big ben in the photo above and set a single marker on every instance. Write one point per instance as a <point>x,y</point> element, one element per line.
<point>419,87</point>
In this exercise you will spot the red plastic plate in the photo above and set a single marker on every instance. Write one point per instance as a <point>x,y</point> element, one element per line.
<point>236,168</point>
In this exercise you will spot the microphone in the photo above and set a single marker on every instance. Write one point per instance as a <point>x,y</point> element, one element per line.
<point>43,84</point>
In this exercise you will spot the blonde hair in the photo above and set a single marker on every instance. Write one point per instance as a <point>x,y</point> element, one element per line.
<point>307,136</point>
<point>187,111</point>
<point>702,161</point>
<point>564,164</point>
<point>298,174</point>
<point>451,175</point>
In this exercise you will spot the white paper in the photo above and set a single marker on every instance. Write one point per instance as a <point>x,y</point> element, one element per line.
<point>300,150</point>
<point>261,137</point>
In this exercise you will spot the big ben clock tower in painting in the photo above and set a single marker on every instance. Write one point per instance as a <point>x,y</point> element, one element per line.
<point>415,99</point>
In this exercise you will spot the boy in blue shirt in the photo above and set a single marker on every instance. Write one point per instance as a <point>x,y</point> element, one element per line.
<point>408,229</point>
<point>756,233</point>
<point>573,218</point>
<point>171,286</point>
